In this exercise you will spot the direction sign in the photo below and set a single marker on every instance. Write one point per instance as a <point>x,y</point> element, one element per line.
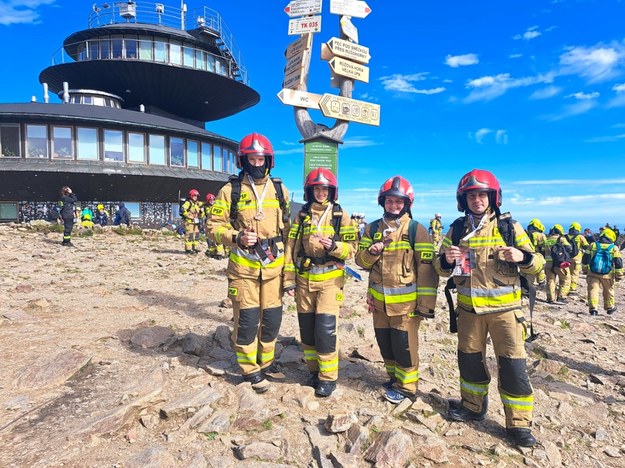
<point>296,62</point>
<point>349,29</point>
<point>343,108</point>
<point>297,98</point>
<point>355,8</point>
<point>296,47</point>
<point>349,50</point>
<point>303,7</point>
<point>306,24</point>
<point>349,69</point>
<point>295,79</point>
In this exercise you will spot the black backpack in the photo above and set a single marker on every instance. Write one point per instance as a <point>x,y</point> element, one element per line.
<point>574,250</point>
<point>560,254</point>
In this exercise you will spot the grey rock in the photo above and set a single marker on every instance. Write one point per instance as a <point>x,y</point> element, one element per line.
<point>340,422</point>
<point>221,354</point>
<point>345,460</point>
<point>193,343</point>
<point>19,316</point>
<point>291,356</point>
<point>325,441</point>
<point>154,457</point>
<point>259,450</point>
<point>198,418</point>
<point>401,407</point>
<point>217,368</point>
<point>51,370</point>
<point>601,434</point>
<point>390,449</point>
<point>222,337</point>
<point>612,452</point>
<point>151,337</point>
<point>149,421</point>
<point>369,353</point>
<point>598,379</point>
<point>192,400</point>
<point>357,439</point>
<point>219,422</point>
<point>553,453</point>
<point>197,461</point>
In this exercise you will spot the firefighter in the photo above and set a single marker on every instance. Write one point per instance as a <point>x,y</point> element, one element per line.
<point>320,240</point>
<point>214,250</point>
<point>67,205</point>
<point>191,214</point>
<point>436,229</point>
<point>603,264</point>
<point>575,236</point>
<point>485,268</point>
<point>101,216</point>
<point>398,252</point>
<point>536,233</point>
<point>251,217</point>
<point>559,274</point>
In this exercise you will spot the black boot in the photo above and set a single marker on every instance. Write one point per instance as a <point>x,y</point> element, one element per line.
<point>325,388</point>
<point>521,436</point>
<point>313,381</point>
<point>457,412</point>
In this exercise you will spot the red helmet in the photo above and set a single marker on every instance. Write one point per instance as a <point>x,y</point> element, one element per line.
<point>396,186</point>
<point>478,179</point>
<point>210,198</point>
<point>193,193</point>
<point>321,177</point>
<point>257,144</point>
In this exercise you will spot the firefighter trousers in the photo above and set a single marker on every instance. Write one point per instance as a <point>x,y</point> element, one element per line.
<point>317,314</point>
<point>191,236</point>
<point>398,340</point>
<point>257,305</point>
<point>594,285</point>
<point>507,331</point>
<point>575,269</point>
<point>563,286</point>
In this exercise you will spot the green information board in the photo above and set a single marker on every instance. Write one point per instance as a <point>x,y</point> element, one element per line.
<point>321,154</point>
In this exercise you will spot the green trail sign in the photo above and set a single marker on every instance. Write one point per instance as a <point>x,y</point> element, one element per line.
<point>321,154</point>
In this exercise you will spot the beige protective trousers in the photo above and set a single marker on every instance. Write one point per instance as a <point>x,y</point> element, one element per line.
<point>596,284</point>
<point>563,286</point>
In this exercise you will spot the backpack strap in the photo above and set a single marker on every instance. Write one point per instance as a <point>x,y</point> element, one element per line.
<point>412,232</point>
<point>374,228</point>
<point>277,184</point>
<point>337,217</point>
<point>456,230</point>
<point>235,195</point>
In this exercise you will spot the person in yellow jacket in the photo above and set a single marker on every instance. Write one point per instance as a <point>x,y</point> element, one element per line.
<point>436,229</point>
<point>86,221</point>
<point>603,264</point>
<point>192,213</point>
<point>398,252</point>
<point>558,275</point>
<point>485,259</point>
<point>216,251</point>
<point>536,232</point>
<point>321,238</point>
<point>251,217</point>
<point>575,236</point>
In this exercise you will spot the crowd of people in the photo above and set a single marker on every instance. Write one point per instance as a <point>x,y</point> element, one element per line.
<point>485,254</point>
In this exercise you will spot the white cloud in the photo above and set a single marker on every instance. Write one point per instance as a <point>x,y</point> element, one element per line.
<point>490,87</point>
<point>456,61</point>
<point>481,133</point>
<point>531,33</point>
<point>404,84</point>
<point>573,182</point>
<point>619,88</point>
<point>501,137</point>
<point>515,56</point>
<point>359,142</point>
<point>546,93</point>
<point>595,64</point>
<point>584,96</point>
<point>606,139</point>
<point>580,107</point>
<point>21,11</point>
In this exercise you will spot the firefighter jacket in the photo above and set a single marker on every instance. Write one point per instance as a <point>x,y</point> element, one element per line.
<point>307,258</point>
<point>192,211</point>
<point>266,259</point>
<point>550,241</point>
<point>493,285</point>
<point>616,272</point>
<point>67,206</point>
<point>582,245</point>
<point>435,226</point>
<point>536,238</point>
<point>402,276</point>
<point>206,210</point>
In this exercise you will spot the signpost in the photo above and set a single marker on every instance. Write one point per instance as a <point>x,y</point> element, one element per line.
<point>296,47</point>
<point>320,153</point>
<point>354,8</point>
<point>343,108</point>
<point>303,7</point>
<point>349,69</point>
<point>349,50</point>
<point>297,98</point>
<point>296,62</point>
<point>349,29</point>
<point>306,24</point>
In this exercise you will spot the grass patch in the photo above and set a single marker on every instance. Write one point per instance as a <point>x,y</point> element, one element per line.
<point>210,435</point>
<point>268,425</point>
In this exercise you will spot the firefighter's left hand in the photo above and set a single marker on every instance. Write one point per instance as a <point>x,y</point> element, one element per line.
<point>326,243</point>
<point>511,254</point>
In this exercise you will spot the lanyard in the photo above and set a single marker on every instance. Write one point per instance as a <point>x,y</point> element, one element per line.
<point>259,200</point>
<point>386,232</point>
<point>319,223</point>
<point>475,229</point>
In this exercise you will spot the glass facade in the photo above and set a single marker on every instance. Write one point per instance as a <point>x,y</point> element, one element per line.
<point>156,150</point>
<point>136,147</point>
<point>87,143</point>
<point>207,156</point>
<point>62,143</point>
<point>192,153</point>
<point>36,141</point>
<point>10,141</point>
<point>176,152</point>
<point>113,145</point>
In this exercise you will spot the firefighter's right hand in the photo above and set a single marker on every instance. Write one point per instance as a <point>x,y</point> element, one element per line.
<point>377,248</point>
<point>248,238</point>
<point>452,254</point>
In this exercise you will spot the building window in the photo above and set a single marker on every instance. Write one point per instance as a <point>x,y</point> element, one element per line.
<point>36,141</point>
<point>136,147</point>
<point>233,163</point>
<point>87,143</point>
<point>93,49</point>
<point>62,147</point>
<point>145,50</point>
<point>218,159</point>
<point>160,51</point>
<point>8,211</point>
<point>200,59</point>
<point>117,47</point>
<point>105,48</point>
<point>10,141</point>
<point>114,145</point>
<point>130,48</point>
<point>210,63</point>
<point>174,52</point>
<point>176,152</point>
<point>207,156</point>
<point>192,150</point>
<point>188,56</point>
<point>157,150</point>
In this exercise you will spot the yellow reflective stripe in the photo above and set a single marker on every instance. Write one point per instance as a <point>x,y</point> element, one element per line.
<point>222,204</point>
<point>522,240</point>
<point>347,230</point>
<point>423,247</point>
<point>219,232</point>
<point>321,276</point>
<point>312,230</point>
<point>266,357</point>
<point>525,403</point>
<point>504,299</point>
<point>253,204</point>
<point>399,245</point>
<point>343,251</point>
<point>486,241</point>
<point>426,291</point>
<point>406,377</point>
<point>390,368</point>
<point>364,243</point>
<point>330,365</point>
<point>289,267</point>
<point>447,242</point>
<point>293,230</point>
<point>310,354</point>
<point>394,299</point>
<point>474,388</point>
<point>278,262</point>
<point>248,358</point>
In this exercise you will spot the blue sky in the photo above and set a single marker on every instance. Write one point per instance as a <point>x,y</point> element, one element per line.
<point>532,90</point>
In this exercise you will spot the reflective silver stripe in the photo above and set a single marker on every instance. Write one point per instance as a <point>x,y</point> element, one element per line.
<point>394,291</point>
<point>245,253</point>
<point>317,270</point>
<point>478,292</point>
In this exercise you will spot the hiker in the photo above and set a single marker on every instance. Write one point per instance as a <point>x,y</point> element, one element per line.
<point>216,251</point>
<point>101,216</point>
<point>122,215</point>
<point>321,238</point>
<point>589,236</point>
<point>536,233</point>
<point>557,269</point>
<point>191,213</point>
<point>581,244</point>
<point>255,231</point>
<point>398,252</point>
<point>484,251</point>
<point>436,229</point>
<point>603,265</point>
<point>67,206</point>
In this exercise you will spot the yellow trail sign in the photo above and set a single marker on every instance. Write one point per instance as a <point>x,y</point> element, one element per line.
<point>343,108</point>
<point>349,50</point>
<point>349,69</point>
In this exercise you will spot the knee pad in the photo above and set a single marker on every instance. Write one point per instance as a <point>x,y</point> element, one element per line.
<point>307,328</point>
<point>248,326</point>
<point>383,337</point>
<point>325,333</point>
<point>272,318</point>
<point>401,351</point>
<point>513,377</point>
<point>472,367</point>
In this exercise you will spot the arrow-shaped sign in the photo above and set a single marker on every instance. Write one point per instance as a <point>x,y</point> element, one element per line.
<point>293,97</point>
<point>343,108</point>
<point>303,7</point>
<point>298,46</point>
<point>349,29</point>
<point>355,8</point>
<point>354,70</point>
<point>349,50</point>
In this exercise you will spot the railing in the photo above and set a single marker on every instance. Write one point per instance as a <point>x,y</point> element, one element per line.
<point>203,18</point>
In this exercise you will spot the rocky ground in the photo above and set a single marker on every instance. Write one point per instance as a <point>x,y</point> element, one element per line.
<point>116,353</point>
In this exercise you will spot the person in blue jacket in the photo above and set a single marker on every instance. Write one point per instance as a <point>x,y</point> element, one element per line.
<point>122,215</point>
